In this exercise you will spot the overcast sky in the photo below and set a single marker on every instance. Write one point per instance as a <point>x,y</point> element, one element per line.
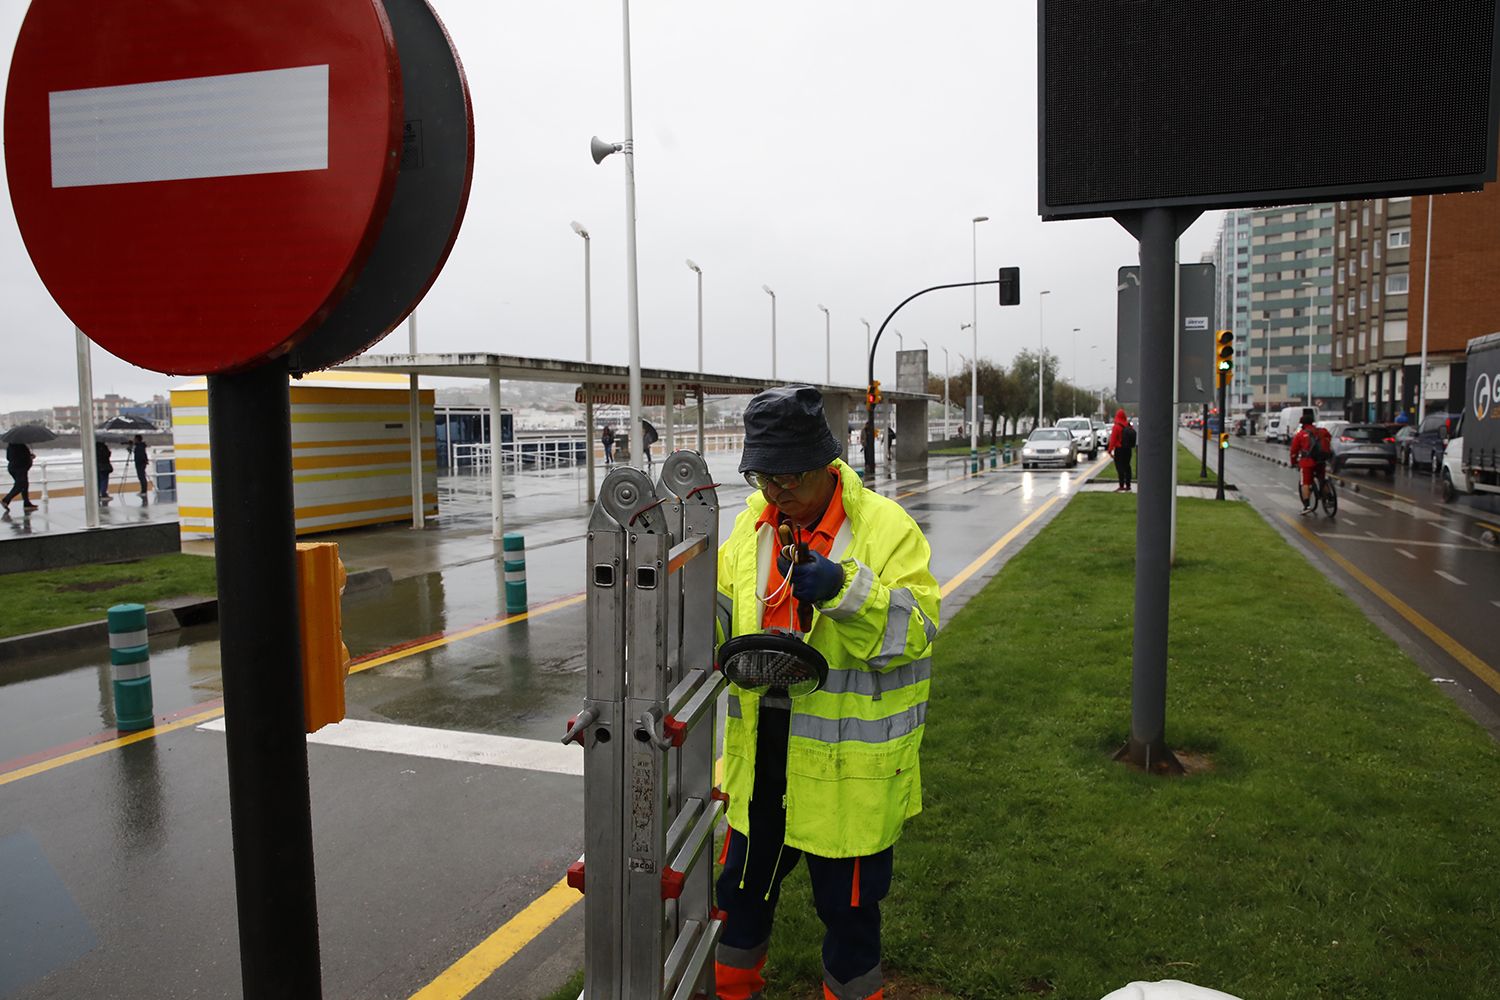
<point>834,151</point>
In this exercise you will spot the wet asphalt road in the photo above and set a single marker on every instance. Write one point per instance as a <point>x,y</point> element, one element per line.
<point>1397,533</point>
<point>121,860</point>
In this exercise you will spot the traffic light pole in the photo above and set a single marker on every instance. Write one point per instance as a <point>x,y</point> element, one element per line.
<point>1223,431</point>
<point>1203,473</point>
<point>869,436</point>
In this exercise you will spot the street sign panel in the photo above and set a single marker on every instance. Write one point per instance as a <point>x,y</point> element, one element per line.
<point>1195,341</point>
<point>199,183</point>
<point>432,190</point>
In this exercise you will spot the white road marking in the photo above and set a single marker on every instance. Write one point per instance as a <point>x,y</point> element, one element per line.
<point>444,744</point>
<point>1401,541</point>
<point>264,122</point>
<point>1450,578</point>
<point>1406,553</point>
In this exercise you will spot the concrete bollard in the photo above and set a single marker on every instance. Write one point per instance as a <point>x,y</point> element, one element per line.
<point>130,665</point>
<point>515,572</point>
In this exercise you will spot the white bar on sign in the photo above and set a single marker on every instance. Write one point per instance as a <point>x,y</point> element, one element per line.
<point>268,122</point>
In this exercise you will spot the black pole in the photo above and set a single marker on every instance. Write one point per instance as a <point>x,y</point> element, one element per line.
<point>869,439</point>
<point>1223,432</point>
<point>1203,474</point>
<point>1157,229</point>
<point>270,813</point>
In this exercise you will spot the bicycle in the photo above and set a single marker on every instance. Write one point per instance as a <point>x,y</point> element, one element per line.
<point>1323,494</point>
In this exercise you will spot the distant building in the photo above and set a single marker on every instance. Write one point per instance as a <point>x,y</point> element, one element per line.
<point>106,407</point>
<point>1382,266</point>
<point>1275,286</point>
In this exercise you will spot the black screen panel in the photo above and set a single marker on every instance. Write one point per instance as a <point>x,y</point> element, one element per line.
<point>1245,102</point>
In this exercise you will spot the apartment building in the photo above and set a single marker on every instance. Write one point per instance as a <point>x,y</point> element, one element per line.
<point>1275,270</point>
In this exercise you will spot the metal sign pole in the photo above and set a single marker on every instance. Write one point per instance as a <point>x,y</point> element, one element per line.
<point>1157,229</point>
<point>270,814</point>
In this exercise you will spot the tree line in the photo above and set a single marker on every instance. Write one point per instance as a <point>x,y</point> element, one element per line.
<point>1009,393</point>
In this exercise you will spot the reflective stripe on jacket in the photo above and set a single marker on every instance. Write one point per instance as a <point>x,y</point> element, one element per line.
<point>852,757</point>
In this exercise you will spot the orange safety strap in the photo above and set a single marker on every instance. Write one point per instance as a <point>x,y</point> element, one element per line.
<point>854,889</point>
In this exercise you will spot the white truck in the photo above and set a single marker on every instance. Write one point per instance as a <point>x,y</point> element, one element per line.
<point>1471,459</point>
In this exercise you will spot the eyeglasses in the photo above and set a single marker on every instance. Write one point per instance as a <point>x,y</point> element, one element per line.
<point>760,480</point>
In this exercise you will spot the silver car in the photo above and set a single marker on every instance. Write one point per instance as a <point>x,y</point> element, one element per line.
<point>1050,446</point>
<point>1364,446</point>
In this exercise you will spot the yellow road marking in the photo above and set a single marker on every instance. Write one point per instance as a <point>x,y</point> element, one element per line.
<point>98,748</point>
<point>192,720</point>
<point>994,550</point>
<point>401,654</point>
<point>1442,639</point>
<point>463,976</point>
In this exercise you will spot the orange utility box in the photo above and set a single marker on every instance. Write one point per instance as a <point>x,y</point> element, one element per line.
<point>325,658</point>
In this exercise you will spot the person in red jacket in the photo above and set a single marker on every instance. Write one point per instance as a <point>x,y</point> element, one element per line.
<point>1122,447</point>
<point>1311,448</point>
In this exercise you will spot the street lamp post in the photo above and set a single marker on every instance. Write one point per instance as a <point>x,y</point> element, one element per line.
<point>588,355</point>
<point>945,395</point>
<point>1426,298</point>
<point>974,328</point>
<point>600,149</point>
<point>1310,286</point>
<point>699,272</point>
<point>827,345</point>
<point>1073,389</point>
<point>767,290</point>
<point>1041,350</point>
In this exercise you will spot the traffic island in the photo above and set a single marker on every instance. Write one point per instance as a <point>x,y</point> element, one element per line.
<point>1342,841</point>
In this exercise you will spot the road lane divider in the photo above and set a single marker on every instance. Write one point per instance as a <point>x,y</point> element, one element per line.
<point>1468,660</point>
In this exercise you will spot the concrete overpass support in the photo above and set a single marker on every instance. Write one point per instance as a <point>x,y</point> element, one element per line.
<point>836,409</point>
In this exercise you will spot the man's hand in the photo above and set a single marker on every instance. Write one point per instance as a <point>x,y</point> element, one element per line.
<point>817,580</point>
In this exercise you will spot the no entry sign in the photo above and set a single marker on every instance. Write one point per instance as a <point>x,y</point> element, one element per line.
<point>199,181</point>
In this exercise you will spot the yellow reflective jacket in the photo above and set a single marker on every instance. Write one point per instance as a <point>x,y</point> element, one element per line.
<point>852,769</point>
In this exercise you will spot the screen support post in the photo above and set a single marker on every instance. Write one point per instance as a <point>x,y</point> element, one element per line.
<point>1157,230</point>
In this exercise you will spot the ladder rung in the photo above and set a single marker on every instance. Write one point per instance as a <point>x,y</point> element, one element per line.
<point>692,850</point>
<point>684,715</point>
<point>702,955</point>
<point>685,552</point>
<point>676,963</point>
<point>677,832</point>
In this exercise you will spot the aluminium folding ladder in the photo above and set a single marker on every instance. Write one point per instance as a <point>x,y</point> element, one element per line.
<point>647,729</point>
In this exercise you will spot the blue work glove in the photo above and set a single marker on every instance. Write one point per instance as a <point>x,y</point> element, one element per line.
<point>816,581</point>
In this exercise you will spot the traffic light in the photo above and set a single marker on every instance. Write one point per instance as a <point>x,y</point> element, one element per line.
<point>1223,440</point>
<point>872,395</point>
<point>1224,354</point>
<point>1010,286</point>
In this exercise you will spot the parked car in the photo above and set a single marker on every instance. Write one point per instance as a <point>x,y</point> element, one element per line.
<point>1273,429</point>
<point>1364,446</point>
<point>1082,429</point>
<point>1050,446</point>
<point>1426,448</point>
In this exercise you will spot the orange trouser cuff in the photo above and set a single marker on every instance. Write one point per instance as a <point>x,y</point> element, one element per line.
<point>739,984</point>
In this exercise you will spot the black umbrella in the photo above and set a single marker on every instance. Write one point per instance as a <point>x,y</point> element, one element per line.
<point>648,433</point>
<point>27,434</point>
<point>127,424</point>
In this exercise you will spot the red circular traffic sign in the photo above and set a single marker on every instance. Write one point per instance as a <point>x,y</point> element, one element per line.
<point>198,183</point>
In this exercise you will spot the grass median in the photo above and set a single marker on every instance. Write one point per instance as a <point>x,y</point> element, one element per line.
<point>52,598</point>
<point>1341,842</point>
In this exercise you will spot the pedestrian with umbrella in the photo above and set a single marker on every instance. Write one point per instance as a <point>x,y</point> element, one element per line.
<point>18,461</point>
<point>648,438</point>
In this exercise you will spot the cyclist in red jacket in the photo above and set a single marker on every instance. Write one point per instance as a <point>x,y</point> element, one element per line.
<point>1312,447</point>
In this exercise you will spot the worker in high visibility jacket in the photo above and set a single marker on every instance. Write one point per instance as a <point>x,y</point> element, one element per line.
<point>830,776</point>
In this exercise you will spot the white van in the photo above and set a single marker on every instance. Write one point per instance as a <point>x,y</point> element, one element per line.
<point>1291,421</point>
<point>1273,427</point>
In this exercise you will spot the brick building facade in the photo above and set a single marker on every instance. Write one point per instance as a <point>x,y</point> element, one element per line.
<point>1381,264</point>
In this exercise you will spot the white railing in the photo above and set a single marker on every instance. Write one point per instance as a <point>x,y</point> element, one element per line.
<point>51,477</point>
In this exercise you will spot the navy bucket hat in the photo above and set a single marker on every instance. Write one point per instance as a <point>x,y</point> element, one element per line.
<point>785,432</point>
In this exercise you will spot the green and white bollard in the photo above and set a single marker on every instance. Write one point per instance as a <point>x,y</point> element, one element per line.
<point>515,573</point>
<point>130,664</point>
<point>994,457</point>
